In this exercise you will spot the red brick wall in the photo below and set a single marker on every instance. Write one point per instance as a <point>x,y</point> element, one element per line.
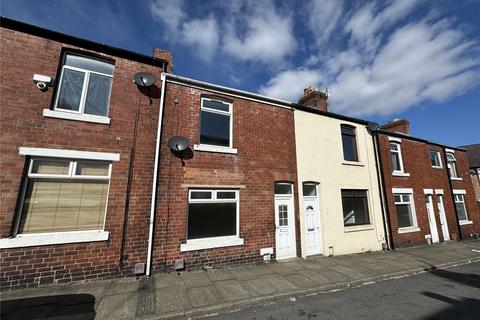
<point>416,162</point>
<point>473,211</point>
<point>264,137</point>
<point>22,124</point>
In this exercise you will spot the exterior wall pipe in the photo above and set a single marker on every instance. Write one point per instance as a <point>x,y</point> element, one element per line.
<point>151,221</point>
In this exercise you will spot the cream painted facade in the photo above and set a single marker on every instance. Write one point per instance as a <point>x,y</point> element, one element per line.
<point>320,160</point>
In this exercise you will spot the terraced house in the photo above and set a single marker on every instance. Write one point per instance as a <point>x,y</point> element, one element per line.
<point>111,165</point>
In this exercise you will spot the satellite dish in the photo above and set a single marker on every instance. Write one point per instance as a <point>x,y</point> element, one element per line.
<point>373,126</point>
<point>144,79</point>
<point>178,143</point>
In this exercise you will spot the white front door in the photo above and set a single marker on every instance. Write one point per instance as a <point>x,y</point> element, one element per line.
<point>312,225</point>
<point>443,218</point>
<point>285,227</point>
<point>431,218</point>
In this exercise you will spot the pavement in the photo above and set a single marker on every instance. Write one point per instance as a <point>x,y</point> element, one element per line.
<point>197,294</point>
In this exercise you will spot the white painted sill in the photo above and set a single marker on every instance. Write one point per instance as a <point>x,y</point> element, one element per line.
<point>358,228</point>
<point>210,243</point>
<point>465,222</point>
<point>217,149</point>
<point>353,163</point>
<point>408,230</point>
<point>437,167</point>
<point>401,174</point>
<point>456,178</point>
<point>43,239</point>
<point>75,116</point>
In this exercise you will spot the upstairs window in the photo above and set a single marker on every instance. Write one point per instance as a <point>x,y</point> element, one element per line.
<point>85,85</point>
<point>349,143</point>
<point>396,154</point>
<point>452,165</point>
<point>216,123</point>
<point>435,159</point>
<point>355,207</point>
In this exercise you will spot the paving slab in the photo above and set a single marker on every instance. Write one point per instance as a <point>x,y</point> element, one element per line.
<point>231,290</point>
<point>258,287</point>
<point>243,273</point>
<point>167,280</point>
<point>204,296</point>
<point>172,299</point>
<point>121,306</point>
<point>219,274</point>
<point>300,281</point>
<point>195,279</point>
<point>279,283</point>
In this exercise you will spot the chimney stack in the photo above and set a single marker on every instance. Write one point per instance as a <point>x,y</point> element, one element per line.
<point>165,55</point>
<point>397,125</point>
<point>314,98</point>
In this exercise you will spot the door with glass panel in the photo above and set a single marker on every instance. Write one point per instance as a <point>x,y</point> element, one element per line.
<point>311,219</point>
<point>284,221</point>
<point>443,218</point>
<point>431,218</point>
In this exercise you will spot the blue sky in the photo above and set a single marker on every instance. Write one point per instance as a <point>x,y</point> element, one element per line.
<point>380,60</point>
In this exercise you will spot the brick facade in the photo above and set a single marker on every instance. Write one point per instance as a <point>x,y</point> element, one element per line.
<point>265,139</point>
<point>422,175</point>
<point>23,125</point>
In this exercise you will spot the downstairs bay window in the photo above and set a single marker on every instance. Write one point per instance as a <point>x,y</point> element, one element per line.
<point>212,219</point>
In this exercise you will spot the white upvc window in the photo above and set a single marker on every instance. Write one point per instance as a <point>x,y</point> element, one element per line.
<point>397,161</point>
<point>459,198</point>
<point>213,219</point>
<point>435,159</point>
<point>452,166</point>
<point>84,87</point>
<point>64,195</point>
<point>216,126</point>
<point>405,209</point>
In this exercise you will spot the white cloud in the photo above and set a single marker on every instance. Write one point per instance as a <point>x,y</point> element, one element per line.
<point>202,35</point>
<point>323,18</point>
<point>289,85</point>
<point>170,13</point>
<point>268,36</point>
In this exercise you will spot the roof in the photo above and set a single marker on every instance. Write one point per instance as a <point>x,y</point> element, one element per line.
<point>473,154</point>
<point>80,42</point>
<point>407,136</point>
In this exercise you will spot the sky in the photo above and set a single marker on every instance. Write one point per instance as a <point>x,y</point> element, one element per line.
<point>379,60</point>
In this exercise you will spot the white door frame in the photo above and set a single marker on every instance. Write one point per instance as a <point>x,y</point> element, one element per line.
<point>291,251</point>
<point>443,217</point>
<point>431,218</point>
<point>316,200</point>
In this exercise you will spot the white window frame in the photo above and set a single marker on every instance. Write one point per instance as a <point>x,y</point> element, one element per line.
<point>439,158</point>
<point>83,96</point>
<point>213,242</point>
<point>461,194</point>
<point>400,172</point>
<point>215,148</point>
<point>449,166</point>
<point>48,238</point>
<point>411,203</point>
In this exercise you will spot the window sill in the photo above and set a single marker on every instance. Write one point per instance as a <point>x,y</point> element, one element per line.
<point>76,117</point>
<point>465,222</point>
<point>408,230</point>
<point>456,179</point>
<point>362,227</point>
<point>210,243</point>
<point>401,174</point>
<point>352,163</point>
<point>437,167</point>
<point>218,149</point>
<point>43,239</point>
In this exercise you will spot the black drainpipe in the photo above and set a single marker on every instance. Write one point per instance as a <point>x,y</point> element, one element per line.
<point>451,193</point>
<point>387,226</point>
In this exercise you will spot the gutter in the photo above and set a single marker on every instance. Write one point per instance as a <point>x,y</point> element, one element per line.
<point>151,221</point>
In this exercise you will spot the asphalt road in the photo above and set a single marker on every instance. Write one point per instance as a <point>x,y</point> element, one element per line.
<point>441,294</point>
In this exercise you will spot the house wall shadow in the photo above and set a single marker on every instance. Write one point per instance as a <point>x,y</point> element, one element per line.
<point>68,306</point>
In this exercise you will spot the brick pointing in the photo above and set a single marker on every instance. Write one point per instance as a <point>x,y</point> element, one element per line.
<point>264,137</point>
<point>422,176</point>
<point>22,124</point>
